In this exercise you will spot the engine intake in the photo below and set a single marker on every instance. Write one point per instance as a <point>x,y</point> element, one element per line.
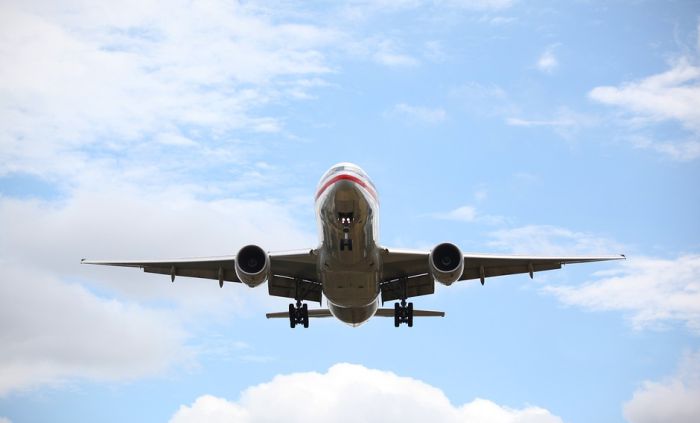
<point>252,265</point>
<point>446,263</point>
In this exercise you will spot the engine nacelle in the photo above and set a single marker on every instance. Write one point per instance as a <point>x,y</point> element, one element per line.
<point>252,265</point>
<point>446,263</point>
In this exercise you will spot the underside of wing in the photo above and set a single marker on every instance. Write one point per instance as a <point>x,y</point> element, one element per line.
<point>482,266</point>
<point>407,273</point>
<point>285,269</point>
<point>220,268</point>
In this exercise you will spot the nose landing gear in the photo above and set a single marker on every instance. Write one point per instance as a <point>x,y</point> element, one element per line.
<point>346,220</point>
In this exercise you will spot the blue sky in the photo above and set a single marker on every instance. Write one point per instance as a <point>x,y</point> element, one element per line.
<point>158,129</point>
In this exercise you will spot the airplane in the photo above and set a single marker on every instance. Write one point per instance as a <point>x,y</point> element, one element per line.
<point>349,267</point>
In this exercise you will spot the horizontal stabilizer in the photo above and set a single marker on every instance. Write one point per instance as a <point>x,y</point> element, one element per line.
<point>389,312</point>
<point>318,312</point>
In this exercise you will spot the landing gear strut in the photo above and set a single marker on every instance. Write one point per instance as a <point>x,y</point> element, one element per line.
<point>298,314</point>
<point>403,313</point>
<point>346,219</point>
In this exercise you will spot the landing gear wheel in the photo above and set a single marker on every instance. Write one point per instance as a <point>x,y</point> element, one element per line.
<point>403,313</point>
<point>298,315</point>
<point>292,316</point>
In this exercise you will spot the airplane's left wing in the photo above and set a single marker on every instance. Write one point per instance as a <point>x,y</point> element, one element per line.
<point>289,265</point>
<point>218,268</point>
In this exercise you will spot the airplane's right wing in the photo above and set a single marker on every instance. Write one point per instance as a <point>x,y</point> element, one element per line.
<point>482,266</point>
<point>407,273</point>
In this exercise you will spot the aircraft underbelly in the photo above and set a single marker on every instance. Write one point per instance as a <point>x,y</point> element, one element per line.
<point>354,316</point>
<point>350,289</point>
<point>349,258</point>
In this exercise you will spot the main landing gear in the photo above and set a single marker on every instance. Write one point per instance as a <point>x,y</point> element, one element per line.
<point>403,313</point>
<point>298,314</point>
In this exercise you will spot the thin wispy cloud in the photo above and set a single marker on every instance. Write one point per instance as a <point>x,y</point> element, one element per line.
<point>469,214</point>
<point>548,62</point>
<point>551,240</point>
<point>388,53</point>
<point>564,122</point>
<point>683,151</point>
<point>671,95</point>
<point>419,114</point>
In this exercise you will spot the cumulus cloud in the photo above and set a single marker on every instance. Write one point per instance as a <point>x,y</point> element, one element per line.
<point>653,291</point>
<point>419,113</point>
<point>88,76</point>
<point>54,331</point>
<point>348,393</point>
<point>674,399</point>
<point>56,328</point>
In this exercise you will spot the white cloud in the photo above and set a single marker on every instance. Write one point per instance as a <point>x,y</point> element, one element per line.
<point>530,122</point>
<point>88,76</point>
<point>387,53</point>
<point>547,62</point>
<point>654,291</point>
<point>565,122</point>
<point>53,331</point>
<point>419,113</point>
<point>674,399</point>
<point>469,214</point>
<point>477,4</point>
<point>349,393</point>
<point>483,99</point>
<point>5,420</point>
<point>677,150</point>
<point>551,240</point>
<point>670,95</point>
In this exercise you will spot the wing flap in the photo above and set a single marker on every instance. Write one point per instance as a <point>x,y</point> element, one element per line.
<point>408,288</point>
<point>280,286</point>
<point>300,264</point>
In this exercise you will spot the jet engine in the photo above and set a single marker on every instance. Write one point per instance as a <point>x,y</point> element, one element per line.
<point>252,265</point>
<point>446,263</point>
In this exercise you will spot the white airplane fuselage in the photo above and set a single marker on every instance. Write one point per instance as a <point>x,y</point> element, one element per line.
<point>349,264</point>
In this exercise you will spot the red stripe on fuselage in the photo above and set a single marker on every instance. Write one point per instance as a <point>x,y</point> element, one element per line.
<point>346,177</point>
